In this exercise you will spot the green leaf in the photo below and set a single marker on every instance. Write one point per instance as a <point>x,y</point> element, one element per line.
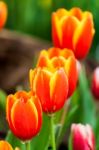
<point>86,103</point>
<point>2,100</point>
<point>67,121</point>
<point>70,142</point>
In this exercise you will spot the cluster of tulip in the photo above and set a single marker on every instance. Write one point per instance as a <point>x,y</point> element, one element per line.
<point>53,80</point>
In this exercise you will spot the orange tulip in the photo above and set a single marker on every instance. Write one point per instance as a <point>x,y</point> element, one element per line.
<point>50,87</point>
<point>56,58</point>
<point>73,29</point>
<point>24,114</point>
<point>3,14</point>
<point>5,146</point>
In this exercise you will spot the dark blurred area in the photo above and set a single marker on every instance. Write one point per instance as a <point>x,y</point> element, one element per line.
<point>18,53</point>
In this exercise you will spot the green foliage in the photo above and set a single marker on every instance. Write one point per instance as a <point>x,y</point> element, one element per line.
<point>2,100</point>
<point>88,104</point>
<point>84,99</point>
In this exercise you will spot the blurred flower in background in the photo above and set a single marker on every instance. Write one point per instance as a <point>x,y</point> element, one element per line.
<point>82,137</point>
<point>95,83</point>
<point>3,14</point>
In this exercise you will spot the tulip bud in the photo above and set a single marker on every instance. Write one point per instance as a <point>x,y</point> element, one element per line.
<point>24,114</point>
<point>50,87</point>
<point>5,146</point>
<point>82,137</point>
<point>95,83</point>
<point>71,29</point>
<point>3,14</point>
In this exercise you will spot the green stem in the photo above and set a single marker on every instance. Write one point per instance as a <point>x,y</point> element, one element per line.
<point>27,144</point>
<point>52,133</point>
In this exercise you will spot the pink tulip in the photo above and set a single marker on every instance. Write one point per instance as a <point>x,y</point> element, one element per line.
<point>95,83</point>
<point>82,137</point>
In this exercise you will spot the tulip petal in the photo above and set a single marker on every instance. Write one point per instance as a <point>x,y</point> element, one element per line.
<point>10,101</point>
<point>82,38</point>
<point>39,110</point>
<point>90,137</point>
<point>78,134</point>
<point>43,59</point>
<point>56,31</point>
<point>61,13</point>
<point>24,118</point>
<point>58,62</point>
<point>24,96</point>
<point>42,88</point>
<point>31,77</point>
<point>69,25</point>
<point>53,52</point>
<point>58,89</point>
<point>77,12</point>
<point>66,53</point>
<point>5,146</point>
<point>71,71</point>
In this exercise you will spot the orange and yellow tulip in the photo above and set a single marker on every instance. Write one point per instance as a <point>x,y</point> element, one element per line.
<point>73,29</point>
<point>50,87</point>
<point>56,58</point>
<point>5,145</point>
<point>3,14</point>
<point>24,114</point>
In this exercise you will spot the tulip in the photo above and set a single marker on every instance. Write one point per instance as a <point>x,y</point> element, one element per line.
<point>56,58</point>
<point>3,14</point>
<point>5,145</point>
<point>50,87</point>
<point>95,83</point>
<point>82,137</point>
<point>24,114</point>
<point>74,30</point>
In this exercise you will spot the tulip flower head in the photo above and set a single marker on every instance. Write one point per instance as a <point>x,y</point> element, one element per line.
<point>74,30</point>
<point>82,137</point>
<point>3,14</point>
<point>5,146</point>
<point>56,58</point>
<point>95,83</point>
<point>24,114</point>
<point>50,87</point>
